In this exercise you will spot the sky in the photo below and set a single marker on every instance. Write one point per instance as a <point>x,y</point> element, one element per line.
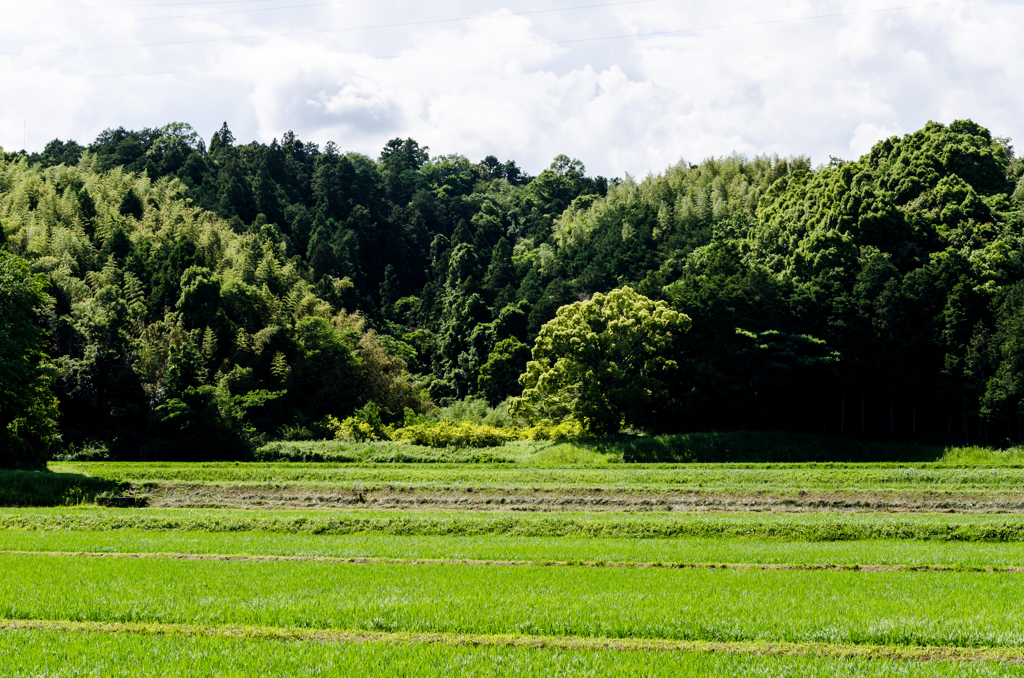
<point>626,87</point>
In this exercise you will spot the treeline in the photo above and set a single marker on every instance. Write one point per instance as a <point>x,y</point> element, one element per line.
<point>241,292</point>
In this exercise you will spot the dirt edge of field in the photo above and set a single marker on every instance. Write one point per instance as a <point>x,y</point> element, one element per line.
<point>269,497</point>
<point>358,560</point>
<point>776,649</point>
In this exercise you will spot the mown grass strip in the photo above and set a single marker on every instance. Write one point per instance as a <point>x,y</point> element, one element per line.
<point>807,528</point>
<point>362,560</point>
<point>774,649</point>
<point>693,478</point>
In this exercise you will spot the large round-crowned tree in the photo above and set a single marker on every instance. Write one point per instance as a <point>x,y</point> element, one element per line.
<point>606,362</point>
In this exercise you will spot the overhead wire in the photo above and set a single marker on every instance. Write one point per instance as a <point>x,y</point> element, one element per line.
<point>44,8</point>
<point>250,10</point>
<point>500,47</point>
<point>331,30</point>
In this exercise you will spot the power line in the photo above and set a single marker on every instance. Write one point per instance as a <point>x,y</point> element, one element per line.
<point>191,16</point>
<point>332,30</point>
<point>36,8</point>
<point>501,47</point>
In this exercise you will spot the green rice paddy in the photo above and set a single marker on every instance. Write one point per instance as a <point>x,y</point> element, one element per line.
<point>495,589</point>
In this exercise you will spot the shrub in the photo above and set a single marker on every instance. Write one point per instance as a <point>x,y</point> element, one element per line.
<point>88,451</point>
<point>475,411</point>
<point>566,430</point>
<point>364,425</point>
<point>447,434</point>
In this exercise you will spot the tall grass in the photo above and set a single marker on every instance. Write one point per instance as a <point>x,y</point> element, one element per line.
<point>983,456</point>
<point>318,451</point>
<point>725,447</point>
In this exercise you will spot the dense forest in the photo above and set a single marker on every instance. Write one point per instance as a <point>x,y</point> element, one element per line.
<point>168,299</point>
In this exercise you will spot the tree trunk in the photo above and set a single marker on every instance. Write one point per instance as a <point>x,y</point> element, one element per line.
<point>842,414</point>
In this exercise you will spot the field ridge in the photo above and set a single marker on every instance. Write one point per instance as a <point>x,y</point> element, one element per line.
<point>764,648</point>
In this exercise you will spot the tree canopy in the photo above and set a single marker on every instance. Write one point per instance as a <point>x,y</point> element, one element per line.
<point>262,287</point>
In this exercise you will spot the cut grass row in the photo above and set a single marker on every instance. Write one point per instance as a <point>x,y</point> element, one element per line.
<point>72,483</point>
<point>704,478</point>
<point>60,653</point>
<point>833,607</point>
<point>538,549</point>
<point>810,527</point>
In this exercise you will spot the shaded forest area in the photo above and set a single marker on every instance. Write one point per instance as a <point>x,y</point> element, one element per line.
<point>208,298</point>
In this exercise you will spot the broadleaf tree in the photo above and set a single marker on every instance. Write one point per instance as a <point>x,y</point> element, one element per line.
<point>606,362</point>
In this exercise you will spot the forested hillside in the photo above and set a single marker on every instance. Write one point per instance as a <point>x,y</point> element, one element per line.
<point>201,299</point>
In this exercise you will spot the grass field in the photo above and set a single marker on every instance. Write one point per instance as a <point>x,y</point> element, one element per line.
<point>540,559</point>
<point>960,609</point>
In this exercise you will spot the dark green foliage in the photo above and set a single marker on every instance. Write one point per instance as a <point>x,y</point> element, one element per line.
<point>34,488</point>
<point>763,447</point>
<point>28,410</point>
<point>58,152</point>
<point>499,376</point>
<point>201,419</point>
<point>131,205</point>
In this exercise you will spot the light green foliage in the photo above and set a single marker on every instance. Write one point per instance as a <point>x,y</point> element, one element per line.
<point>685,200</point>
<point>362,426</point>
<point>606,362</point>
<point>165,313</point>
<point>476,411</point>
<point>447,434</point>
<point>567,429</point>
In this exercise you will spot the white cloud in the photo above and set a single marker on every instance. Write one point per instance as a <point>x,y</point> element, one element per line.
<point>823,87</point>
<point>867,135</point>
